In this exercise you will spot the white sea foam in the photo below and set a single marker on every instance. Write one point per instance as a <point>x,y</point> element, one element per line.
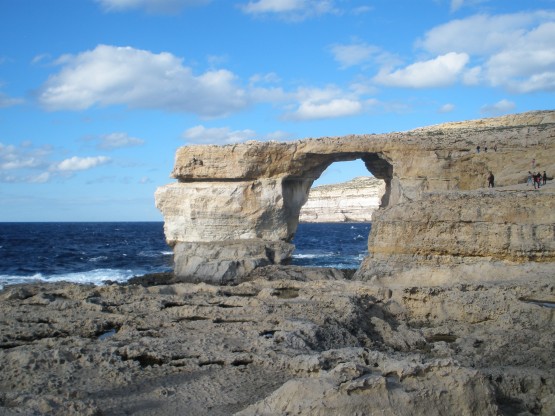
<point>99,258</point>
<point>312,255</point>
<point>154,253</point>
<point>96,277</point>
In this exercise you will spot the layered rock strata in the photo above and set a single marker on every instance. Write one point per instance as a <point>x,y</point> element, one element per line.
<point>455,234</point>
<point>236,207</point>
<point>352,201</point>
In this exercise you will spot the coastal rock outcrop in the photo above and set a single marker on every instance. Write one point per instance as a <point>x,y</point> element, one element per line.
<point>351,201</point>
<point>288,341</point>
<point>236,207</point>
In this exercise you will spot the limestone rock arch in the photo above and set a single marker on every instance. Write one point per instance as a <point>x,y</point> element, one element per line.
<point>235,208</point>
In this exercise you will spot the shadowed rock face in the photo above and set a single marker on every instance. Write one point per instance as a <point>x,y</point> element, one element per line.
<point>236,207</point>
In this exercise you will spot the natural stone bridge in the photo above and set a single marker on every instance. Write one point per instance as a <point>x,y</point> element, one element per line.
<point>236,207</point>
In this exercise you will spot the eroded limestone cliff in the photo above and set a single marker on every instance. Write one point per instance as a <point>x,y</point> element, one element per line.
<point>236,207</point>
<point>352,201</point>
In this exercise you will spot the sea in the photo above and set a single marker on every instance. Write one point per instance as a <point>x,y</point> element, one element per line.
<point>102,252</point>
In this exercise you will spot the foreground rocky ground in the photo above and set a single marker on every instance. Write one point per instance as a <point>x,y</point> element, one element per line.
<point>288,341</point>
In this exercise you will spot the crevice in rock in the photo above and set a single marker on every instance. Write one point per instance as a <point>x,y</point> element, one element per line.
<point>191,318</point>
<point>170,304</point>
<point>268,334</point>
<point>441,337</point>
<point>286,293</point>
<point>144,360</point>
<point>211,362</point>
<point>241,361</point>
<point>232,321</point>
<point>542,303</point>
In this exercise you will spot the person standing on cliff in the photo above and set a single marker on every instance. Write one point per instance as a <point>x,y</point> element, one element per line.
<point>544,177</point>
<point>537,180</point>
<point>491,178</point>
<point>529,181</point>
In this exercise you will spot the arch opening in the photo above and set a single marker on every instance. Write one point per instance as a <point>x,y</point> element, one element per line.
<point>334,220</point>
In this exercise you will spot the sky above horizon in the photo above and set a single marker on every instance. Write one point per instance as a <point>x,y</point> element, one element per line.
<point>97,95</point>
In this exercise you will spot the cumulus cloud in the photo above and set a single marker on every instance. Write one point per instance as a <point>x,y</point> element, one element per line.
<point>329,102</point>
<point>24,156</point>
<point>501,107</point>
<point>217,135</point>
<point>109,75</point>
<point>438,72</point>
<point>353,54</point>
<point>295,10</point>
<point>225,135</point>
<point>514,51</point>
<point>30,164</point>
<point>151,6</point>
<point>118,140</point>
<point>76,163</point>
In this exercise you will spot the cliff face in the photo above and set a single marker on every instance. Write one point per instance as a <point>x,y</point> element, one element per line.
<point>236,208</point>
<point>352,201</point>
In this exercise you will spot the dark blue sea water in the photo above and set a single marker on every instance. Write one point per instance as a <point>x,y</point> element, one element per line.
<point>339,245</point>
<point>116,251</point>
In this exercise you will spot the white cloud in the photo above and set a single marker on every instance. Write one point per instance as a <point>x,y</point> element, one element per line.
<point>482,34</point>
<point>446,108</point>
<point>21,157</point>
<point>40,178</point>
<point>20,161</point>
<point>30,164</point>
<point>269,78</point>
<point>499,108</point>
<point>217,135</point>
<point>80,163</point>
<point>439,72</point>
<point>224,135</point>
<point>353,54</point>
<point>513,51</point>
<point>294,10</point>
<point>339,107</point>
<point>118,140</point>
<point>152,6</point>
<point>528,65</point>
<point>111,75</point>
<point>329,102</point>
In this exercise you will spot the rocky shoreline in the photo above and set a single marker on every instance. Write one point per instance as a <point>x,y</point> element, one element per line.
<point>289,340</point>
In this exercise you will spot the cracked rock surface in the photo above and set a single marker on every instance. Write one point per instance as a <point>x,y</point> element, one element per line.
<point>286,341</point>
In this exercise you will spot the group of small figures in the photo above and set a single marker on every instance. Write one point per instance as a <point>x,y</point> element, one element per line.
<point>478,148</point>
<point>537,179</point>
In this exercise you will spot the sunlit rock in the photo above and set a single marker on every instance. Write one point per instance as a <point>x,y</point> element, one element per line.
<point>352,201</point>
<point>252,194</point>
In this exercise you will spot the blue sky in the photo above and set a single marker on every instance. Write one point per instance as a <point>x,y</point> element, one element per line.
<point>96,95</point>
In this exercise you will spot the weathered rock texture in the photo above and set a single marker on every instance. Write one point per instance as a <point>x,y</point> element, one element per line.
<point>288,341</point>
<point>352,201</point>
<point>236,207</point>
